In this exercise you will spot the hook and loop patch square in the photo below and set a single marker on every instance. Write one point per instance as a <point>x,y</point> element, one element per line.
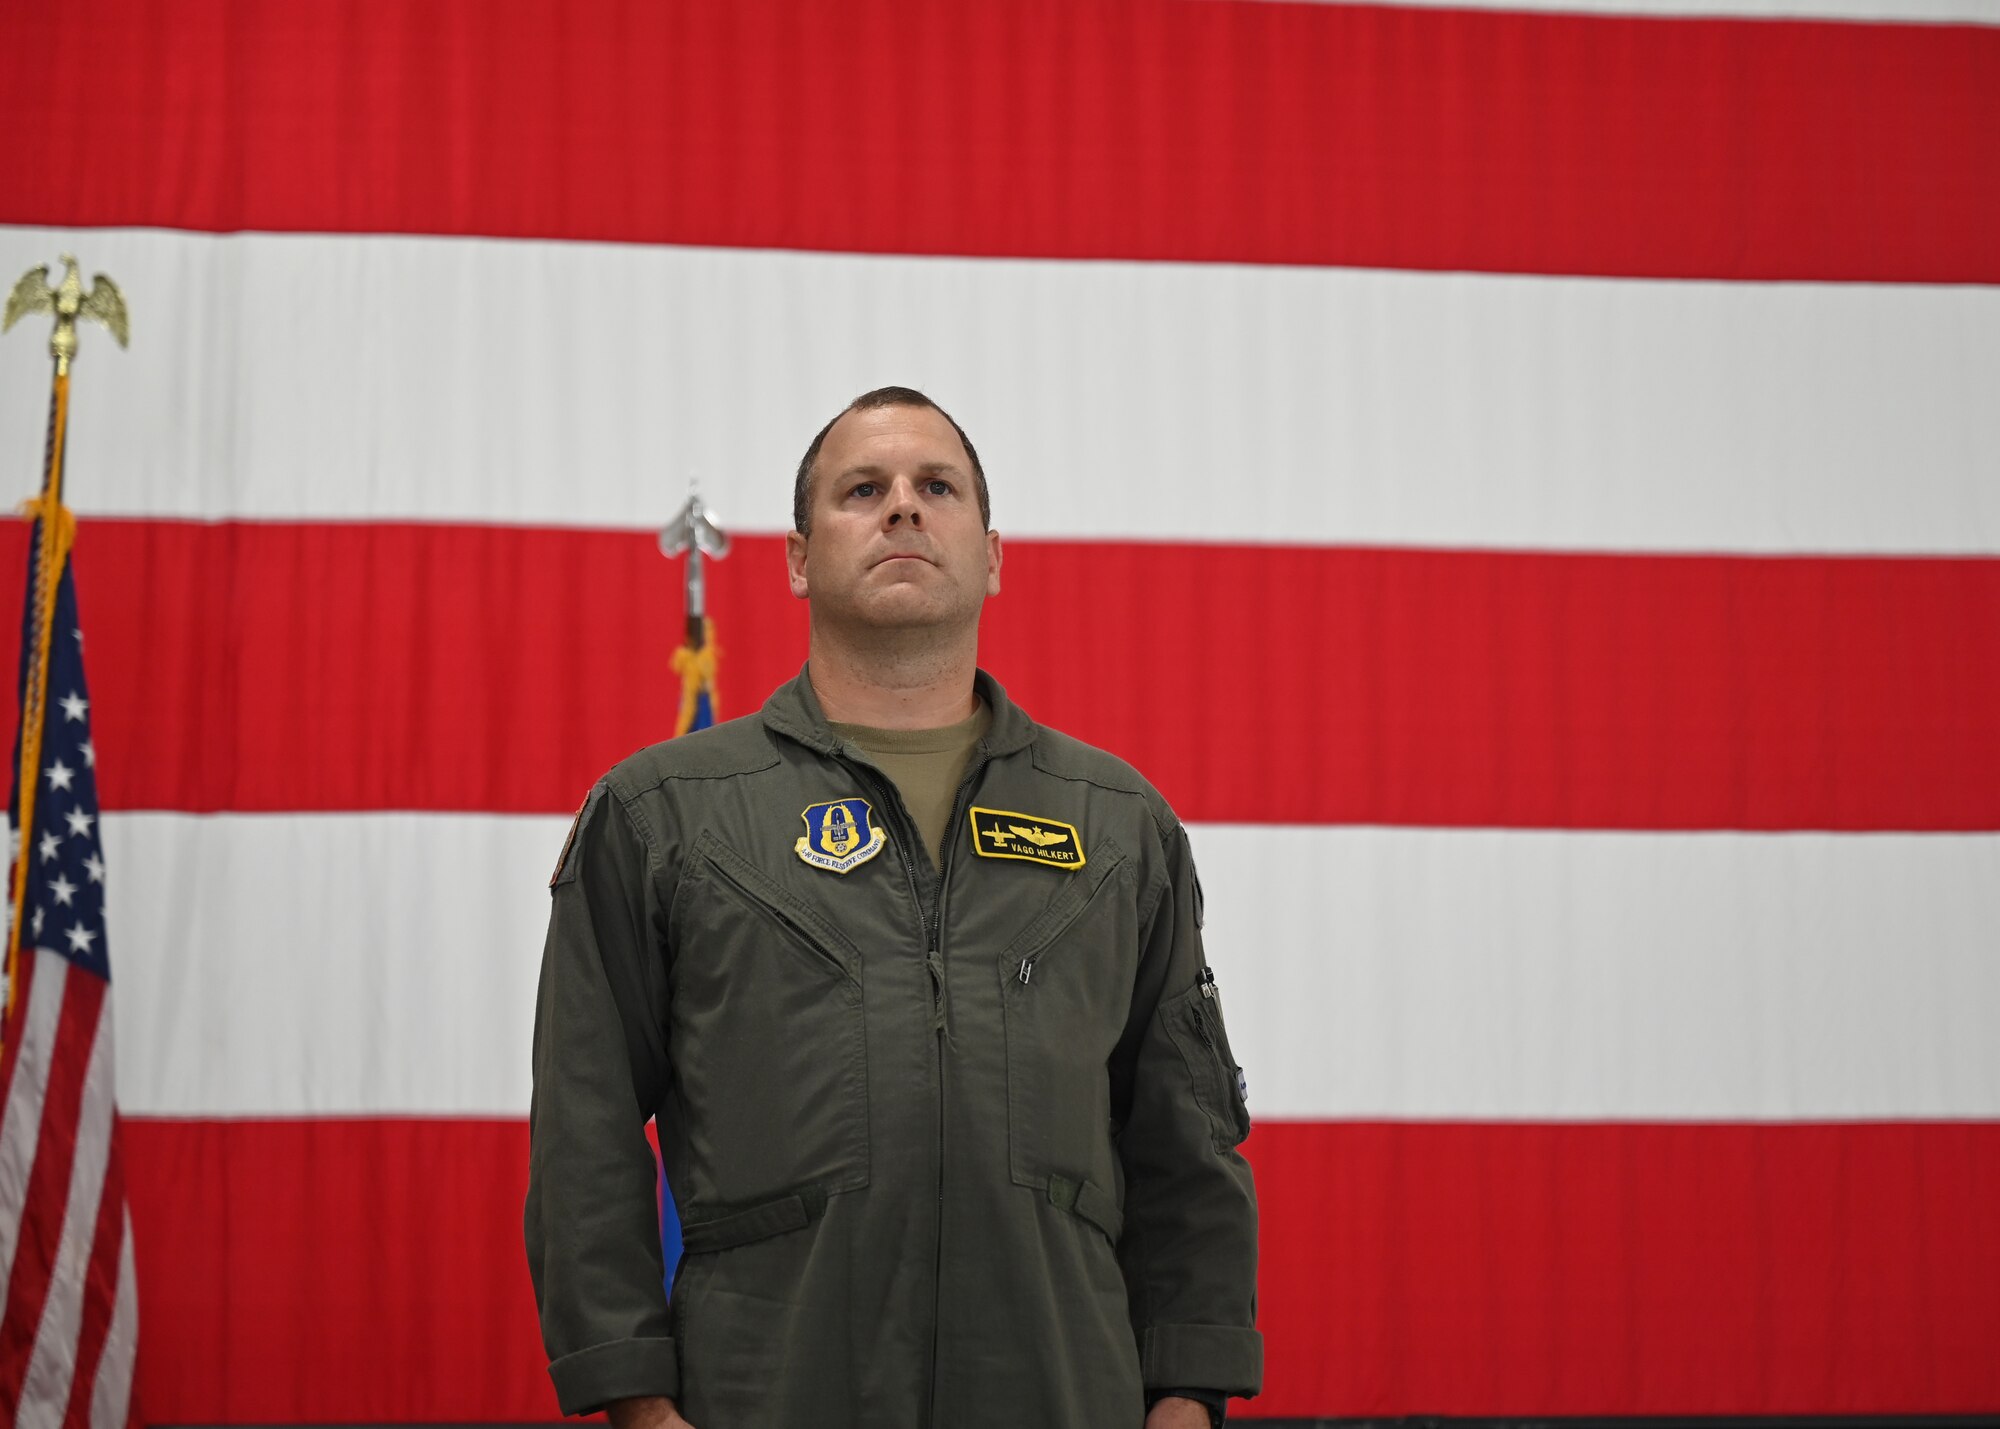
<point>840,834</point>
<point>1032,838</point>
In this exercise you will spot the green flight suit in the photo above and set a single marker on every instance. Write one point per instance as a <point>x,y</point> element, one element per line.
<point>949,1152</point>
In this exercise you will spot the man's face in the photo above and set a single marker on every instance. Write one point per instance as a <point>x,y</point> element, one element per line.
<point>896,538</point>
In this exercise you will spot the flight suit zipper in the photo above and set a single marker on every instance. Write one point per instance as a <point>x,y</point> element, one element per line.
<point>973,770</point>
<point>931,923</point>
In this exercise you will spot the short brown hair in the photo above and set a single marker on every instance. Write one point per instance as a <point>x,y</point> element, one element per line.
<point>868,402</point>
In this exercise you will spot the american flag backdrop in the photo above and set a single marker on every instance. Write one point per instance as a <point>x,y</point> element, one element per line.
<point>1524,483</point>
<point>68,1298</point>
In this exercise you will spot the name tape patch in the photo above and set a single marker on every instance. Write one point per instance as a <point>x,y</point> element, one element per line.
<point>1002,833</point>
<point>841,834</point>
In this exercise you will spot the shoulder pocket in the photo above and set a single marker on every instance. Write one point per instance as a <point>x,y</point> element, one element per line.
<point>1194,1022</point>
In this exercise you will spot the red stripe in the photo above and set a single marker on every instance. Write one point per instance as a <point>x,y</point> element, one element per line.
<point>100,1286</point>
<point>334,1272</point>
<point>1447,1269</point>
<point>1555,1270</point>
<point>1311,134</point>
<point>301,667</point>
<point>47,1202</point>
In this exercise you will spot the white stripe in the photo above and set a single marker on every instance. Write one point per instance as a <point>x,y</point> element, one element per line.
<point>385,964</point>
<point>288,376</point>
<point>329,963</point>
<point>52,1366</point>
<point>1894,11</point>
<point>1500,974</point>
<point>113,1390</point>
<point>21,1126</point>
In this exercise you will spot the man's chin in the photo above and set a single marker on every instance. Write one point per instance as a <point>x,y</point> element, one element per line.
<point>907,609</point>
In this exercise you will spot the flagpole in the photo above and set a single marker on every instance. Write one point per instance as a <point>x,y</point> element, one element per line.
<point>56,529</point>
<point>34,698</point>
<point>695,532</point>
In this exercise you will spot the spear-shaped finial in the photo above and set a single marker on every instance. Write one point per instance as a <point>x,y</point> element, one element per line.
<point>694,530</point>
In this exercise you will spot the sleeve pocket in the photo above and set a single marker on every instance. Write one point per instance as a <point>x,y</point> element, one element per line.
<point>1194,1021</point>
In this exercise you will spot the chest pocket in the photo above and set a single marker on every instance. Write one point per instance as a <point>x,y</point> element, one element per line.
<point>766,1040</point>
<point>1066,986</point>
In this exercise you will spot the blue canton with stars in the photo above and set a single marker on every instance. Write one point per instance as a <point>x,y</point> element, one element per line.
<point>65,899</point>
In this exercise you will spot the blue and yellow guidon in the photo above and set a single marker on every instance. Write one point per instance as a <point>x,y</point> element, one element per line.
<point>840,835</point>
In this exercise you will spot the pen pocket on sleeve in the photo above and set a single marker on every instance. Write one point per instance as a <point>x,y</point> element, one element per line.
<point>1194,1021</point>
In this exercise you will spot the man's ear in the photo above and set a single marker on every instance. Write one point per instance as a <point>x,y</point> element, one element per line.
<point>992,563</point>
<point>795,563</point>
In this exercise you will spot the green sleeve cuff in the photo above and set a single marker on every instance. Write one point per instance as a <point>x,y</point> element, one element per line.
<point>1225,1358</point>
<point>620,1369</point>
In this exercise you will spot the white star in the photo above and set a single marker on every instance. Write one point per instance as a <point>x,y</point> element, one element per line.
<point>38,922</point>
<point>79,823</point>
<point>94,866</point>
<point>64,890</point>
<point>78,633</point>
<point>60,775</point>
<point>50,843</point>
<point>90,754</point>
<point>74,706</point>
<point>80,939</point>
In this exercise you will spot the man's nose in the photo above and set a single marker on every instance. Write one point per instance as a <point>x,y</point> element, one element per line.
<point>903,506</point>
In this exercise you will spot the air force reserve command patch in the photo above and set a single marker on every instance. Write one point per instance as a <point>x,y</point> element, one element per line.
<point>1000,833</point>
<point>840,835</point>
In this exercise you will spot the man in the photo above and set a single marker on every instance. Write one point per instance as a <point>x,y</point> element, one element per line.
<point>916,992</point>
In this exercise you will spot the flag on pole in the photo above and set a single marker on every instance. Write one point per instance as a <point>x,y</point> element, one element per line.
<point>696,665</point>
<point>69,1329</point>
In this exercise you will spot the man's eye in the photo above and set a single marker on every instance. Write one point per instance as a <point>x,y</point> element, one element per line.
<point>939,487</point>
<point>865,488</point>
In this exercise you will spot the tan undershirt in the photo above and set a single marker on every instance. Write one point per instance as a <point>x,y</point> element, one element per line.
<point>925,765</point>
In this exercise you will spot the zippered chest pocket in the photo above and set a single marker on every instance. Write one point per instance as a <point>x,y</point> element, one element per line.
<point>1066,987</point>
<point>767,1040</point>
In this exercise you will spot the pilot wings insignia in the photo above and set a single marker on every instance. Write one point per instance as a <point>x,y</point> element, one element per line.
<point>1008,833</point>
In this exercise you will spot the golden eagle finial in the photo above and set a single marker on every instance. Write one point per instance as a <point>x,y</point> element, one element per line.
<point>68,301</point>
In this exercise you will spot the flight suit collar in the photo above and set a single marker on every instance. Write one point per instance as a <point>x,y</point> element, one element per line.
<point>793,711</point>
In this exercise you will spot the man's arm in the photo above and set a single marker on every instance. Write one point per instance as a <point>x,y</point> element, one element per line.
<point>1185,1409</point>
<point>599,1065</point>
<point>1189,1249</point>
<point>649,1413</point>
